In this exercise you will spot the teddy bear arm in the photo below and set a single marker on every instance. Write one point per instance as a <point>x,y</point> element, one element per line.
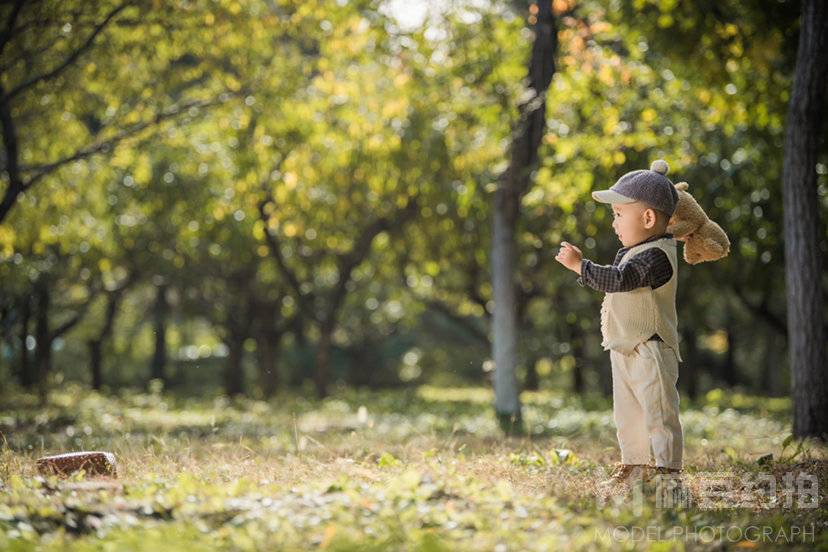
<point>681,228</point>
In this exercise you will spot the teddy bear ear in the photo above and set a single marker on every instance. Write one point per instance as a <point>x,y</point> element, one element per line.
<point>682,186</point>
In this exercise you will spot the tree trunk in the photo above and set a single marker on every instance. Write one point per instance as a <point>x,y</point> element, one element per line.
<point>266,349</point>
<point>507,401</point>
<point>532,381</point>
<point>43,351</point>
<point>95,370</point>
<point>526,138</point>
<point>323,358</point>
<point>158,368</point>
<point>95,345</point>
<point>11,163</point>
<point>233,371</point>
<point>577,370</point>
<point>771,361</point>
<point>688,372</point>
<point>300,343</point>
<point>730,375</point>
<point>803,262</point>
<point>25,375</point>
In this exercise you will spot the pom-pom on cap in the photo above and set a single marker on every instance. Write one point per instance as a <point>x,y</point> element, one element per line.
<point>660,166</point>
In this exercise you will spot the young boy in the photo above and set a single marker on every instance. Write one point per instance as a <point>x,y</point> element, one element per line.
<point>638,320</point>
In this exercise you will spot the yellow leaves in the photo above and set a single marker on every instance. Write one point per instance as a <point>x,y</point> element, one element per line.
<point>610,115</point>
<point>290,229</point>
<point>291,179</point>
<point>601,27</point>
<point>209,19</point>
<point>328,536</point>
<point>232,83</point>
<point>7,237</point>
<point>649,115</point>
<point>606,76</point>
<point>728,30</point>
<point>534,197</point>
<point>626,76</point>
<point>394,107</point>
<point>142,172</point>
<point>122,157</point>
<point>665,21</point>
<point>281,195</point>
<point>105,265</point>
<point>565,149</point>
<point>715,341</point>
<point>401,80</point>
<point>561,6</point>
<point>618,157</point>
<point>259,230</point>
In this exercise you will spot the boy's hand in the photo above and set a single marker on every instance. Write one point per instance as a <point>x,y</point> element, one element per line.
<point>570,256</point>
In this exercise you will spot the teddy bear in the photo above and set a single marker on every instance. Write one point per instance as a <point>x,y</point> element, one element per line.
<point>704,240</point>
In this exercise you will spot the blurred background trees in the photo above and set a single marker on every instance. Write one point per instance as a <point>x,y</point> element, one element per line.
<point>244,197</point>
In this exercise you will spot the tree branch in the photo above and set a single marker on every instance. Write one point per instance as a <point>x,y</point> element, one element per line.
<point>303,299</point>
<point>777,323</point>
<point>6,37</point>
<point>347,262</point>
<point>16,184</point>
<point>77,317</point>
<point>43,170</point>
<point>70,59</point>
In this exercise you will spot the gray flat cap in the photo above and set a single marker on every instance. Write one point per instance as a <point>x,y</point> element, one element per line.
<point>650,186</point>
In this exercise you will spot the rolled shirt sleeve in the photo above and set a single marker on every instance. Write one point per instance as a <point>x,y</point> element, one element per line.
<point>651,268</point>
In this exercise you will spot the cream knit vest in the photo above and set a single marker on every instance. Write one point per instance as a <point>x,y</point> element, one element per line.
<point>630,317</point>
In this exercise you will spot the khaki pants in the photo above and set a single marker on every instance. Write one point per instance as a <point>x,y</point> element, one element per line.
<point>646,404</point>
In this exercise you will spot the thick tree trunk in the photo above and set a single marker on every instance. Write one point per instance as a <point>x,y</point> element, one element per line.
<point>526,138</point>
<point>507,402</point>
<point>803,234</point>
<point>158,367</point>
<point>16,185</point>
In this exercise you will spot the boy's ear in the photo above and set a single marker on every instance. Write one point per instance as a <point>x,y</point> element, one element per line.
<point>650,217</point>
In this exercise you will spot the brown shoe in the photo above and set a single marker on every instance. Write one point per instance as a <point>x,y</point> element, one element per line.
<point>664,472</point>
<point>624,473</point>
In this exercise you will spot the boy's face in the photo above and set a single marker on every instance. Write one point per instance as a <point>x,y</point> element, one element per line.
<point>633,222</point>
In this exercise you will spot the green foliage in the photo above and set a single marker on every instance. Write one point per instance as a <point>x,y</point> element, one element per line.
<point>291,129</point>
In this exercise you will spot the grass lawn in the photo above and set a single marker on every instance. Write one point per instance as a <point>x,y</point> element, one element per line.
<point>421,469</point>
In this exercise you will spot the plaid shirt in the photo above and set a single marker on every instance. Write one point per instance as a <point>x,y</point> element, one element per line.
<point>651,268</point>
